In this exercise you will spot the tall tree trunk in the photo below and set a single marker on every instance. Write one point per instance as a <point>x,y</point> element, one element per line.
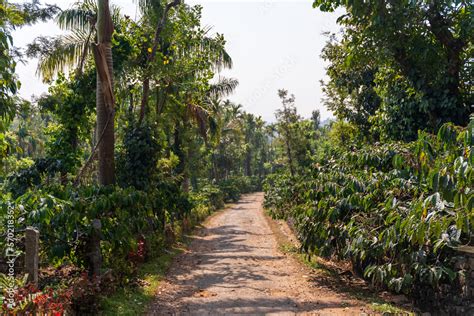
<point>290,159</point>
<point>105,122</point>
<point>131,106</point>
<point>178,151</point>
<point>74,141</point>
<point>190,179</point>
<point>160,100</point>
<point>288,153</point>
<point>194,182</point>
<point>248,161</point>
<point>105,98</point>
<point>213,166</point>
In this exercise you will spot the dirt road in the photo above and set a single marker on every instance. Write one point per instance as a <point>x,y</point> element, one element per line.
<point>234,266</point>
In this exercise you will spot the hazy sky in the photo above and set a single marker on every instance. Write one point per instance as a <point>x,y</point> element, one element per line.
<point>274,44</point>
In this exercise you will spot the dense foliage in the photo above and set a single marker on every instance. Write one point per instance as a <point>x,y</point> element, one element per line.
<point>135,133</point>
<point>13,16</point>
<point>395,210</point>
<point>400,66</point>
<point>388,186</point>
<point>150,158</point>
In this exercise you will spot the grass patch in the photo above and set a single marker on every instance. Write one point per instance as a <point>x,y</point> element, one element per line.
<point>389,309</point>
<point>291,249</point>
<point>135,300</point>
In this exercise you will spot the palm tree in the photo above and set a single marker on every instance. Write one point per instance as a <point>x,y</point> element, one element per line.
<point>228,116</point>
<point>86,20</point>
<point>206,116</point>
<point>105,121</point>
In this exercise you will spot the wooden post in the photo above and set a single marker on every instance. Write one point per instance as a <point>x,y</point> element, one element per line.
<point>32,254</point>
<point>95,256</point>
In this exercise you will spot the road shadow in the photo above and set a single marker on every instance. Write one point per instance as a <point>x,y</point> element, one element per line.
<point>220,259</point>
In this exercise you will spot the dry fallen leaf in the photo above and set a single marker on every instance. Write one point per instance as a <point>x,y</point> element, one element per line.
<point>204,293</point>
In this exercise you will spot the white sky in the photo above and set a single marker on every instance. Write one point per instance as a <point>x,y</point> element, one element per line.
<point>274,44</point>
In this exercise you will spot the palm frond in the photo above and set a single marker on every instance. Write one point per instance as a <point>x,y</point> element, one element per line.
<point>222,58</point>
<point>59,53</point>
<point>82,15</point>
<point>223,87</point>
<point>78,16</point>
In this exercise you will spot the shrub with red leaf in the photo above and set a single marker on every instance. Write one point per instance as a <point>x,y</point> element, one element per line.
<point>31,301</point>
<point>139,255</point>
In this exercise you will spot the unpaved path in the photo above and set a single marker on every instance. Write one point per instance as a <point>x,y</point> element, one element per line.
<point>234,266</point>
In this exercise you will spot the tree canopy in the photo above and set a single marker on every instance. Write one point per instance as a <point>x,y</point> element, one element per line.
<point>401,66</point>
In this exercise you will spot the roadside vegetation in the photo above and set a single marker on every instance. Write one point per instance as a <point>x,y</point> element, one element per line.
<point>388,186</point>
<point>134,134</point>
<point>135,143</point>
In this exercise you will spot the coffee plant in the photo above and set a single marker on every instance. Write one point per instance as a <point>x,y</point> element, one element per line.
<point>396,210</point>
